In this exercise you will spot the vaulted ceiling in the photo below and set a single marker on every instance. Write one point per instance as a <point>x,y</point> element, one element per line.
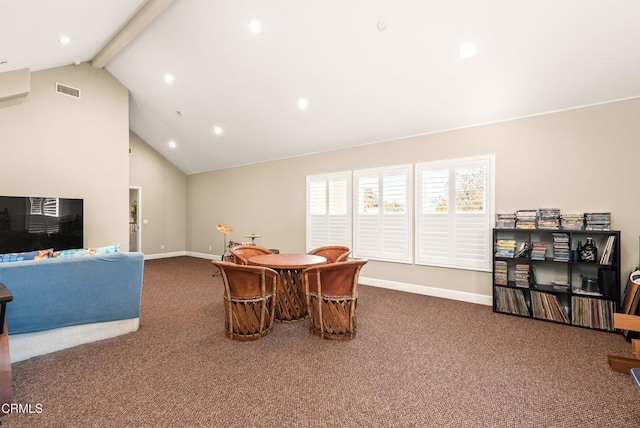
<point>369,70</point>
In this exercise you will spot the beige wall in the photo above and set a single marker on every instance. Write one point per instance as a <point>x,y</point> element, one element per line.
<point>579,161</point>
<point>163,201</point>
<point>55,145</point>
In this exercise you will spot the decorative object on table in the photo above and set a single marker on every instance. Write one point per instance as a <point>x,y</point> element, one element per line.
<point>589,252</point>
<point>333,253</point>
<point>253,237</point>
<point>249,300</point>
<point>224,229</point>
<point>332,292</point>
<point>242,253</point>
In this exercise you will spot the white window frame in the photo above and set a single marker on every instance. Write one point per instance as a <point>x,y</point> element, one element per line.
<point>335,225</point>
<point>392,230</point>
<point>456,244</point>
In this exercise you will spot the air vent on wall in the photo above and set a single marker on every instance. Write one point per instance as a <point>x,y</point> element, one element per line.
<point>67,90</point>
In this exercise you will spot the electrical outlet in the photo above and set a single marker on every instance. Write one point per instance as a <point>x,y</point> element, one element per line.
<point>210,248</point>
<point>162,247</point>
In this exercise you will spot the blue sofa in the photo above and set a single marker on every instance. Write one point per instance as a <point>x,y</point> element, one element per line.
<point>53,294</point>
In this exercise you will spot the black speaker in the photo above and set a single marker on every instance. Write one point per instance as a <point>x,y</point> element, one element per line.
<point>607,282</point>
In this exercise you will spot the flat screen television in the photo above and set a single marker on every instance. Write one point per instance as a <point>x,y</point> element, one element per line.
<point>36,223</point>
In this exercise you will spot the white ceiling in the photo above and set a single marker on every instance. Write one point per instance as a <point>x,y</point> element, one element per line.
<point>363,85</point>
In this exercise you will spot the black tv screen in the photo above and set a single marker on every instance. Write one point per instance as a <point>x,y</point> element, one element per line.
<point>38,223</point>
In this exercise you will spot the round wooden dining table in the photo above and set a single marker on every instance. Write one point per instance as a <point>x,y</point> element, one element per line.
<point>291,301</point>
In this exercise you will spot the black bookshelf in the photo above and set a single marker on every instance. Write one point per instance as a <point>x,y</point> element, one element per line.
<point>552,287</point>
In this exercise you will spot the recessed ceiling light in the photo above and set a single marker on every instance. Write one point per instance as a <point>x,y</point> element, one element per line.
<point>217,130</point>
<point>255,27</point>
<point>303,103</point>
<point>64,39</point>
<point>168,78</point>
<point>172,144</point>
<point>467,50</point>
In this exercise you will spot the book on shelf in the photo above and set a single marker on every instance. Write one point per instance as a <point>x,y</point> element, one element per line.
<point>548,306</point>
<point>505,248</point>
<point>511,300</point>
<point>607,254</point>
<point>592,313</point>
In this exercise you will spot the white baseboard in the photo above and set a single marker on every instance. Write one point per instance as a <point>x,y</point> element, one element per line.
<point>463,296</point>
<point>164,255</point>
<point>28,345</point>
<point>204,255</point>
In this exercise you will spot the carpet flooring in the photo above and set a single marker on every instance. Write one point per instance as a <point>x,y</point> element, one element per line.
<point>417,361</point>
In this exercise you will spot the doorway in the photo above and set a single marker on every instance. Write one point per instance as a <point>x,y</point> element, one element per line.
<point>135,231</point>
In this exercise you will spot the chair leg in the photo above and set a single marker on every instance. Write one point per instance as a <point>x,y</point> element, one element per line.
<point>332,318</point>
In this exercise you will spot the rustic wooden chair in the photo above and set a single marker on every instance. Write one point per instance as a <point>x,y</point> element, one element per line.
<point>332,292</point>
<point>333,253</point>
<point>249,300</point>
<point>242,253</point>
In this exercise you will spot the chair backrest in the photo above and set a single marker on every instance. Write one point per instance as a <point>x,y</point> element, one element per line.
<point>334,279</point>
<point>243,253</point>
<point>332,252</point>
<point>245,282</point>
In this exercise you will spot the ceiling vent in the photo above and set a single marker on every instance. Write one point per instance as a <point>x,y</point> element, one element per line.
<point>67,90</point>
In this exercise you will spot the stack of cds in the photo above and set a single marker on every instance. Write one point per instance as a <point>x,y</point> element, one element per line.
<point>522,274</point>
<point>526,219</point>
<point>506,221</point>
<point>539,251</point>
<point>500,272</point>
<point>572,221</point>
<point>506,248</point>
<point>549,218</point>
<point>597,221</point>
<point>560,247</point>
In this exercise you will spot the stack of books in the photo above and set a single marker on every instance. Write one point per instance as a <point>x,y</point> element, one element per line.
<point>522,275</point>
<point>526,219</point>
<point>501,272</point>
<point>572,221</point>
<point>549,218</point>
<point>506,221</point>
<point>560,247</point>
<point>607,253</point>
<point>539,251</point>
<point>597,221</point>
<point>506,248</point>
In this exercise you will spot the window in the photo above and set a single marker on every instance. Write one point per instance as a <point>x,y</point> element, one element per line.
<point>454,212</point>
<point>382,221</point>
<point>329,210</point>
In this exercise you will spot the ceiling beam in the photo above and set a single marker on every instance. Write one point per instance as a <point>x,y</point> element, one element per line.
<point>141,20</point>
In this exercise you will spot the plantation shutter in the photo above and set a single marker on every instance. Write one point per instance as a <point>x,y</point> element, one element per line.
<point>455,213</point>
<point>382,223</point>
<point>328,210</point>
